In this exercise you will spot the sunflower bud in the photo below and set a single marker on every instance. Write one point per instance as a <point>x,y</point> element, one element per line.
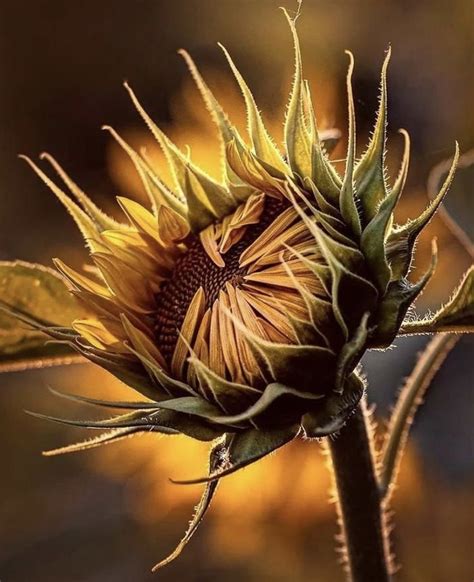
<point>241,308</point>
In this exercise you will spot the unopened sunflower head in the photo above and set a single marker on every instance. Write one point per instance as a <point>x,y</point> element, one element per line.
<point>243,307</point>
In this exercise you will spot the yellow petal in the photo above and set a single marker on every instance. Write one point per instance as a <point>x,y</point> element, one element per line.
<point>209,243</point>
<point>142,343</point>
<point>140,217</point>
<point>188,332</point>
<point>171,226</point>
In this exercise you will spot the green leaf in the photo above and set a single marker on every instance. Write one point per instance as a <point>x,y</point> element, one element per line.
<point>456,316</point>
<point>101,220</point>
<point>345,264</point>
<point>192,405</point>
<point>169,385</point>
<point>40,293</point>
<point>227,132</point>
<point>144,419</point>
<point>247,447</point>
<point>295,365</point>
<point>157,192</point>
<point>130,371</point>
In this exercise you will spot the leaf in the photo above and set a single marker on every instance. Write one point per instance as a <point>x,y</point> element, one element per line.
<point>247,447</point>
<point>192,405</point>
<point>295,365</point>
<point>102,221</point>
<point>217,460</point>
<point>39,292</point>
<point>170,386</point>
<point>137,419</point>
<point>127,370</point>
<point>456,316</point>
<point>155,189</point>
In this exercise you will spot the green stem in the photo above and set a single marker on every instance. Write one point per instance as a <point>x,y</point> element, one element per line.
<point>359,500</point>
<point>411,396</point>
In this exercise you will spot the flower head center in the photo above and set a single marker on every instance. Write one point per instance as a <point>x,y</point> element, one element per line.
<point>195,269</point>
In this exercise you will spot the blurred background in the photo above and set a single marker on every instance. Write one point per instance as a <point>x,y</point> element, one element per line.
<point>110,514</point>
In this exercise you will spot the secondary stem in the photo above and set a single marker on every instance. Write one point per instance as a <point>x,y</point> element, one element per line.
<point>410,398</point>
<point>360,501</point>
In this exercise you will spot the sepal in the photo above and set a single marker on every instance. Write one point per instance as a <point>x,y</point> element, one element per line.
<point>347,201</point>
<point>393,308</point>
<point>369,174</point>
<point>351,353</point>
<point>156,420</point>
<point>217,460</point>
<point>247,447</point>
<point>271,396</point>
<point>330,415</point>
<point>401,240</point>
<point>105,438</point>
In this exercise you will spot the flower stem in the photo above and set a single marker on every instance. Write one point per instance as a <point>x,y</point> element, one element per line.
<point>410,398</point>
<point>360,502</point>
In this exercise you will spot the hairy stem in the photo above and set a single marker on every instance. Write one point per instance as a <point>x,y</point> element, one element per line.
<point>360,502</point>
<point>411,396</point>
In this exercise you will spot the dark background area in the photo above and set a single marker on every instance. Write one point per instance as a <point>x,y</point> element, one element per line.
<point>109,515</point>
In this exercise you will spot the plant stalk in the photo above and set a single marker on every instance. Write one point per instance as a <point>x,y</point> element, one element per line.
<point>360,502</point>
<point>408,402</point>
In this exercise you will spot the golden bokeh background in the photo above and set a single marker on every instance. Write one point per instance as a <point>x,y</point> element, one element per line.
<point>110,514</point>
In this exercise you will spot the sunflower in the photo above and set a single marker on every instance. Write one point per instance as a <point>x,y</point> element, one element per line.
<point>241,308</point>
